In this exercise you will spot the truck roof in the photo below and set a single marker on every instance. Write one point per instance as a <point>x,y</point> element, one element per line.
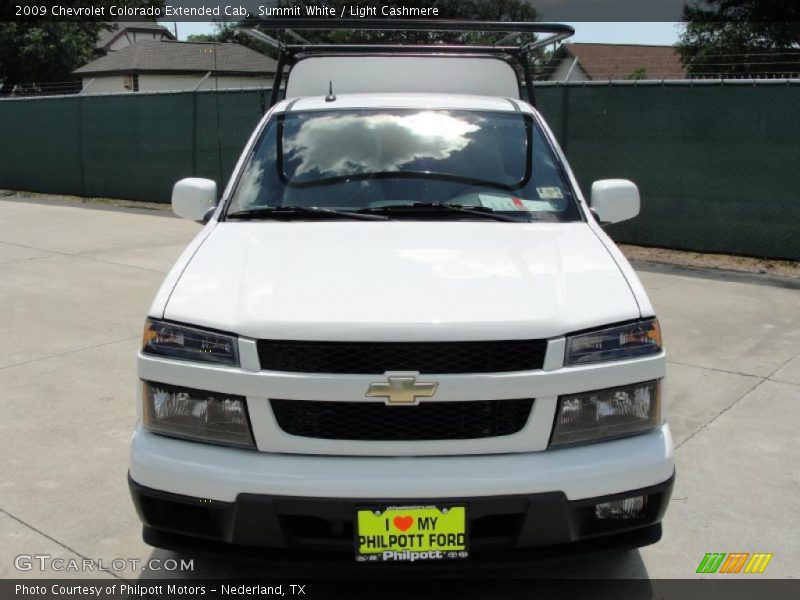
<point>403,100</point>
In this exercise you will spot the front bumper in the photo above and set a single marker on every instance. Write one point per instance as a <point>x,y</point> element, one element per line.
<point>193,494</point>
<point>221,474</point>
<point>286,527</point>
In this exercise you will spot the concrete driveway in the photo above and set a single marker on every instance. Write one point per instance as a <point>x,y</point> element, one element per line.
<point>76,282</point>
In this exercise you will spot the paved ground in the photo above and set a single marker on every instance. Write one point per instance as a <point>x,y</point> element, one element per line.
<point>75,284</point>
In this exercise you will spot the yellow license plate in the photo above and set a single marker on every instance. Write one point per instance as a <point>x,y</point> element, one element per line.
<point>411,533</point>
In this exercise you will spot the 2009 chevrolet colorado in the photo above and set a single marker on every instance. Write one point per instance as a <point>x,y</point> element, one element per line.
<point>402,334</point>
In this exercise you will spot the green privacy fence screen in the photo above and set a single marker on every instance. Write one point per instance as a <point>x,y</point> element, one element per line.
<point>124,146</point>
<point>718,165</point>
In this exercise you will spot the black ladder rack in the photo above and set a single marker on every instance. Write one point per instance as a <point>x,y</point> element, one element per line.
<point>289,53</point>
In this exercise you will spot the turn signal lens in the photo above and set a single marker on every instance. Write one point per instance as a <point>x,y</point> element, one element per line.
<point>189,343</point>
<point>615,343</point>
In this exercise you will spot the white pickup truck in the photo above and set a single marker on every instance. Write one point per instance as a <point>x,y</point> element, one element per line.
<point>402,334</point>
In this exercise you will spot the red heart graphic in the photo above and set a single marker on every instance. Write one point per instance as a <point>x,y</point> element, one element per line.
<point>403,523</point>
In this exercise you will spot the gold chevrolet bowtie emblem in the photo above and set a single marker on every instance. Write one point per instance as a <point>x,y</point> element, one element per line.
<point>401,390</point>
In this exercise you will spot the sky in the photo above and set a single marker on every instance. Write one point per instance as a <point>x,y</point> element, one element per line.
<point>660,34</point>
<point>610,33</point>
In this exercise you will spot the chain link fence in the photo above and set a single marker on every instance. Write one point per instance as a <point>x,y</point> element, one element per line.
<point>717,162</point>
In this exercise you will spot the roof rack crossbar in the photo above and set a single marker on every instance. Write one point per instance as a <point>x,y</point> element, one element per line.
<point>556,31</point>
<point>333,48</point>
<point>411,25</point>
<point>525,49</point>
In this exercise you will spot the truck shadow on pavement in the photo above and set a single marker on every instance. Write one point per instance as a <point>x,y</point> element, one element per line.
<point>620,565</point>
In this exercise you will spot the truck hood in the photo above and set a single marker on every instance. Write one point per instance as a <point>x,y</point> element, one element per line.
<point>401,281</point>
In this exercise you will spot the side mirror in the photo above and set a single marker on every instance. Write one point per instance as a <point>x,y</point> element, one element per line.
<point>192,198</point>
<point>614,200</point>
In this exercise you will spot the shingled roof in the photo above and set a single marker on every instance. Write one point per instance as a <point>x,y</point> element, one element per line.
<point>114,29</point>
<point>620,61</point>
<point>181,57</point>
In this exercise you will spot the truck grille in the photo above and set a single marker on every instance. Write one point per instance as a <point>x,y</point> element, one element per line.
<point>425,421</point>
<point>422,357</point>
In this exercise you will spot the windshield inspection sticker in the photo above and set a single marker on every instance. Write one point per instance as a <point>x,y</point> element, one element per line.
<point>549,193</point>
<point>504,203</point>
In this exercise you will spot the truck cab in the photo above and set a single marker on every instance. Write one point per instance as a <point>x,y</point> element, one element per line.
<point>402,334</point>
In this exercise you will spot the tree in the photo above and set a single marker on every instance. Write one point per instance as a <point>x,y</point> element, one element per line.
<point>40,52</point>
<point>228,33</point>
<point>637,74</point>
<point>43,52</point>
<point>741,38</point>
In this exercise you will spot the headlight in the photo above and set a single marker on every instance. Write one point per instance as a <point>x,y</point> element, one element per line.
<point>188,343</point>
<point>614,343</point>
<point>196,414</point>
<point>605,414</point>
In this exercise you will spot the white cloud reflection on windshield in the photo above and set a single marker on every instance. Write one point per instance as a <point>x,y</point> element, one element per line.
<point>348,144</point>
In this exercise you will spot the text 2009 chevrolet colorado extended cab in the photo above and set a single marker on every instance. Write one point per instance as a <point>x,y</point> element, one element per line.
<point>402,334</point>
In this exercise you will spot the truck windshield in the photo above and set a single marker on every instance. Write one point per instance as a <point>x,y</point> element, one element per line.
<point>364,160</point>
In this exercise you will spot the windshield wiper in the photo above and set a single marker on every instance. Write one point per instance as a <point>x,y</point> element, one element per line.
<point>294,212</point>
<point>476,211</point>
<point>356,177</point>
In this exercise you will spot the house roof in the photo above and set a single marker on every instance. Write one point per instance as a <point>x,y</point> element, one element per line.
<point>181,57</point>
<point>115,29</point>
<point>619,61</point>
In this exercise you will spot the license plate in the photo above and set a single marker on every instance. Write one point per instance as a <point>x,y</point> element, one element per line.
<point>411,533</point>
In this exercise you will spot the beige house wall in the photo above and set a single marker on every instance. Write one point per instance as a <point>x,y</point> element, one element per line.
<point>116,84</point>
